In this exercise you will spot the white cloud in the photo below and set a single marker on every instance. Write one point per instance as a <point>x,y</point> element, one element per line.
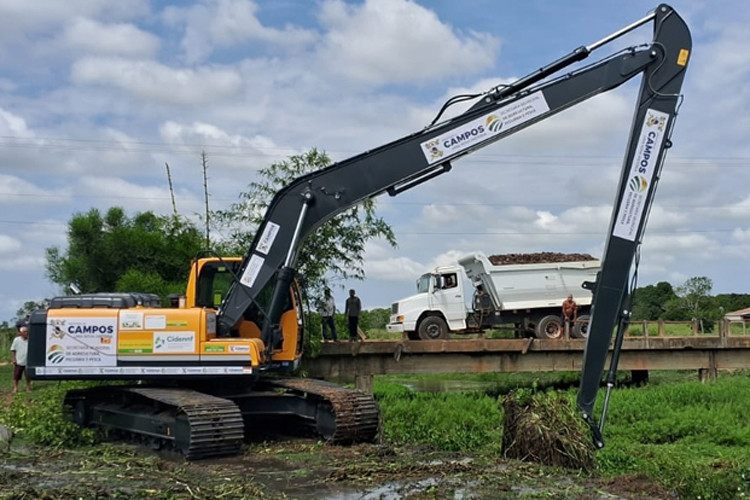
<point>156,82</point>
<point>27,27</point>
<point>133,197</point>
<point>15,191</point>
<point>392,269</point>
<point>392,41</point>
<point>120,39</point>
<point>13,125</point>
<point>225,23</point>
<point>8,245</point>
<point>227,150</point>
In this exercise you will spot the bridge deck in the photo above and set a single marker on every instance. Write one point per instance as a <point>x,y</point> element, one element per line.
<point>375,357</point>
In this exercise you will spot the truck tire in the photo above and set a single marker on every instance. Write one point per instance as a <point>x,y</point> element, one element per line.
<point>549,327</point>
<point>433,328</point>
<point>581,327</point>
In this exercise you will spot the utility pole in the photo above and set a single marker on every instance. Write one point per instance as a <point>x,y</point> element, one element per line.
<point>171,189</point>
<point>204,163</point>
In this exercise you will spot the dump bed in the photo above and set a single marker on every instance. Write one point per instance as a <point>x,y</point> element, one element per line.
<point>538,284</point>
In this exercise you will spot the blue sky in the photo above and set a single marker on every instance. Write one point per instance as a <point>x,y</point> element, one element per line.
<point>96,95</point>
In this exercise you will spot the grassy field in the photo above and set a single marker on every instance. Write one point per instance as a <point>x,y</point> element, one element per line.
<point>690,437</point>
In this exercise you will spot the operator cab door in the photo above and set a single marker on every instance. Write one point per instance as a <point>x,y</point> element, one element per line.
<point>447,296</point>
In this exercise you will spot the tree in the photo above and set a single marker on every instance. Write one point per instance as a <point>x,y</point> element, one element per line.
<point>694,295</point>
<point>334,251</point>
<point>27,308</point>
<point>649,302</point>
<point>692,301</point>
<point>114,252</point>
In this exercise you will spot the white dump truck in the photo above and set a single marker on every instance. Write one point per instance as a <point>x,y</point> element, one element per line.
<point>525,291</point>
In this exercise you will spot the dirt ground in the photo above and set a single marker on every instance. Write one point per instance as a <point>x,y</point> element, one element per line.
<point>298,469</point>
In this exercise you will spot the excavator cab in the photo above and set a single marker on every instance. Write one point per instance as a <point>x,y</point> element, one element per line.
<point>208,284</point>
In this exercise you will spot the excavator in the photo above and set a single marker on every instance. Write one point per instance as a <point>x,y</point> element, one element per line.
<point>206,368</point>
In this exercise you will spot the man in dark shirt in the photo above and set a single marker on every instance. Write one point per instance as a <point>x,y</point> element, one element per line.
<point>352,310</point>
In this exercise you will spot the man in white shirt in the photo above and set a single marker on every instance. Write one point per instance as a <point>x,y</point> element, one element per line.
<point>327,314</point>
<point>18,351</point>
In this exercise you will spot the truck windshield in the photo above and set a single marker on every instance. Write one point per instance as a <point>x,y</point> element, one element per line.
<point>423,283</point>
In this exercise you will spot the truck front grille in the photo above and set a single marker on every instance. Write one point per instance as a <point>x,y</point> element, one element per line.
<point>394,308</point>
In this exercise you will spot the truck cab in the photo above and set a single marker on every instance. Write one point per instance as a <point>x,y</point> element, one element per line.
<point>439,306</point>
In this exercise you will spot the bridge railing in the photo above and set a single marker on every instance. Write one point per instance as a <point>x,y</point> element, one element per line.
<point>695,327</point>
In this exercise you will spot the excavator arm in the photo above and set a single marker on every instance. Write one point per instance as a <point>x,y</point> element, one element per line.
<point>312,199</point>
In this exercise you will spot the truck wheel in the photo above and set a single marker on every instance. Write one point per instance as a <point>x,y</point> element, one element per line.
<point>581,327</point>
<point>549,327</point>
<point>433,328</point>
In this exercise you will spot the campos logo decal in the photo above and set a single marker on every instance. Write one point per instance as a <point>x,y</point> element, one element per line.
<point>56,354</point>
<point>494,123</point>
<point>638,184</point>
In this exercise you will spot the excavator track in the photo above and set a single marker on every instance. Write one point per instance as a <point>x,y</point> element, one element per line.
<point>352,417</point>
<point>196,424</point>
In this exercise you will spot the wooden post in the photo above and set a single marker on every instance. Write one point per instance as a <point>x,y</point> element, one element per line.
<point>364,383</point>
<point>660,328</point>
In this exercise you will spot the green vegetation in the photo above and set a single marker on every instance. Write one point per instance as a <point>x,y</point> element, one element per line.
<point>447,421</point>
<point>691,300</point>
<point>693,438</point>
<point>113,252</point>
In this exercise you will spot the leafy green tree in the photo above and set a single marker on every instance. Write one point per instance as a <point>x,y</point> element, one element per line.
<point>693,301</point>
<point>650,302</point>
<point>333,252</point>
<point>375,319</point>
<point>27,308</point>
<point>114,252</point>
<point>694,295</point>
<point>727,302</point>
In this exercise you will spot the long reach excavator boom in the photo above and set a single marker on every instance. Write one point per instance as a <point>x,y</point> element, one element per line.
<point>314,198</point>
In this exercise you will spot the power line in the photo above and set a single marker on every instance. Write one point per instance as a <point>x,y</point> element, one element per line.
<point>526,203</point>
<point>221,150</point>
<point>458,233</point>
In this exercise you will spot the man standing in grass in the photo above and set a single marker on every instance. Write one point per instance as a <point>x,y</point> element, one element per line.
<point>18,350</point>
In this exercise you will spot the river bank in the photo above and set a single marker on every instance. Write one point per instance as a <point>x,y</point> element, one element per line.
<point>300,469</point>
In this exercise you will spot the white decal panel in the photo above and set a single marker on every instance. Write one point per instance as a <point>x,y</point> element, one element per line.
<point>485,127</point>
<point>48,371</point>
<point>81,341</point>
<point>641,175</point>
<point>174,342</point>
<point>251,271</point>
<point>267,238</point>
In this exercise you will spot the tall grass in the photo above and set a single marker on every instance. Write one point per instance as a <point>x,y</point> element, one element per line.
<point>446,421</point>
<point>691,437</point>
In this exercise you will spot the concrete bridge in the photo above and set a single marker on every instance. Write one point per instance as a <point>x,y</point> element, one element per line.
<point>707,354</point>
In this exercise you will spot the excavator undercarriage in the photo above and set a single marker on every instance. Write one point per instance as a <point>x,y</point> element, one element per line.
<point>201,425</point>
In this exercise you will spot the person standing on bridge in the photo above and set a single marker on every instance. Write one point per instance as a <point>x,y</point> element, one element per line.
<point>327,312</point>
<point>569,312</point>
<point>353,309</point>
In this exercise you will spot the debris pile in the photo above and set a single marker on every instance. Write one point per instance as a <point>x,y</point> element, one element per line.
<point>537,258</point>
<point>545,429</point>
